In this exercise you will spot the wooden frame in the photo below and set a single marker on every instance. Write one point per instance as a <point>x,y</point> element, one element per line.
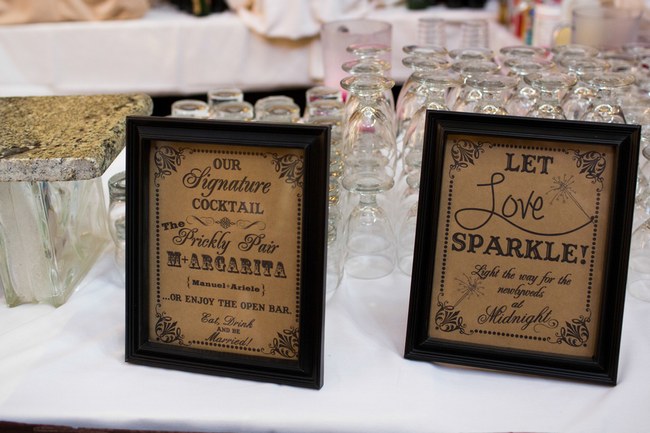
<point>226,238</point>
<point>522,245</point>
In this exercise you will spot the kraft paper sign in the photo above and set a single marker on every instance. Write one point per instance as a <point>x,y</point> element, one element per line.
<point>522,244</point>
<point>226,229</point>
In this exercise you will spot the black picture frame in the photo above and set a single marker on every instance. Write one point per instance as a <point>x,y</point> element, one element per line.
<point>143,273</point>
<point>427,313</point>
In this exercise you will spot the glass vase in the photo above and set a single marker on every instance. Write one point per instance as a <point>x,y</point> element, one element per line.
<point>51,234</point>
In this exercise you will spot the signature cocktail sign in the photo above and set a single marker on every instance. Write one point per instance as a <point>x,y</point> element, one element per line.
<point>522,245</point>
<point>225,248</point>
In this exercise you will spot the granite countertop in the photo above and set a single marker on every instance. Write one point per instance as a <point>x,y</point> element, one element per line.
<point>50,138</point>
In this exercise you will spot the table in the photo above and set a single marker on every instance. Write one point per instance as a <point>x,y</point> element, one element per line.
<point>171,53</point>
<point>65,366</point>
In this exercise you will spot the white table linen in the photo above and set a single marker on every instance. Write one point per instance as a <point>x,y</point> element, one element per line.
<point>172,53</point>
<point>66,366</point>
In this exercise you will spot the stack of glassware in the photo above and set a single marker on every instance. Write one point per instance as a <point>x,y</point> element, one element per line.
<point>377,143</point>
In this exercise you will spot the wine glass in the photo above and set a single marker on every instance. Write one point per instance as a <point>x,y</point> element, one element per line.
<point>551,88</point>
<point>369,168</point>
<point>494,90</point>
<point>371,54</point>
<point>368,136</point>
<point>425,50</point>
<point>329,112</point>
<point>524,97</point>
<point>433,88</point>
<point>370,242</point>
<point>471,53</point>
<point>466,97</point>
<point>577,101</point>
<point>572,51</point>
<point>410,98</point>
<point>619,61</point>
<point>408,223</point>
<point>605,107</point>
<point>640,242</point>
<point>523,52</point>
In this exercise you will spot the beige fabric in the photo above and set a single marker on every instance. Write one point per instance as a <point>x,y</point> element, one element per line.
<point>39,11</point>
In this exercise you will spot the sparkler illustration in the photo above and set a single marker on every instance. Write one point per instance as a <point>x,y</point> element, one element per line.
<point>564,191</point>
<point>468,288</point>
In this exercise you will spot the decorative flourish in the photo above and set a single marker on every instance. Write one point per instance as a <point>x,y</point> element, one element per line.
<point>564,191</point>
<point>447,319</point>
<point>574,333</point>
<point>167,159</point>
<point>592,164</point>
<point>204,221</point>
<point>551,324</point>
<point>286,343</point>
<point>225,222</point>
<point>290,167</point>
<point>464,152</point>
<point>168,331</point>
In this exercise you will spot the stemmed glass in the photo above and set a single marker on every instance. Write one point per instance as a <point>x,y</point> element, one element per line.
<point>370,66</point>
<point>434,87</point>
<point>370,242</point>
<point>467,96</point>
<point>369,157</point>
<point>368,62</point>
<point>495,90</point>
<point>640,244</point>
<point>577,101</point>
<point>371,56</point>
<point>619,61</point>
<point>637,49</point>
<point>524,97</point>
<point>523,52</point>
<point>368,136</point>
<point>410,98</point>
<point>605,107</point>
<point>327,110</point>
<point>408,223</point>
<point>471,53</point>
<point>551,88</point>
<point>572,51</point>
<point>436,54</point>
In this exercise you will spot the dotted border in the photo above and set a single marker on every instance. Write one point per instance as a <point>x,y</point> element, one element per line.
<point>298,249</point>
<point>446,242</point>
<point>227,346</point>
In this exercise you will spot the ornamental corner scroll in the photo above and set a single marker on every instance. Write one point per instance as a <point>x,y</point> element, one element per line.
<point>226,246</point>
<point>520,243</point>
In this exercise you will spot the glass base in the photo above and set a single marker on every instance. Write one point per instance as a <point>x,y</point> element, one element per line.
<point>640,289</point>
<point>51,233</point>
<point>369,267</point>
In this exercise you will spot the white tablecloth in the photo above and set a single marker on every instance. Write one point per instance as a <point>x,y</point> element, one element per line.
<point>66,366</point>
<point>171,53</point>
